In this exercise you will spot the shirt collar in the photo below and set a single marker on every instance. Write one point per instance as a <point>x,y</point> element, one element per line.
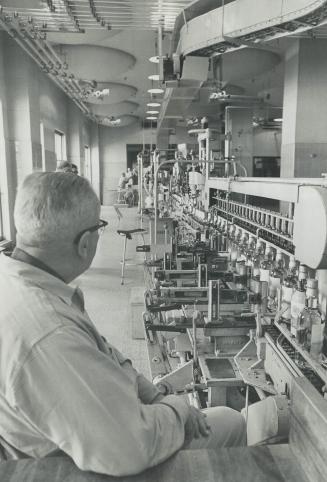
<point>39,277</point>
<point>21,255</point>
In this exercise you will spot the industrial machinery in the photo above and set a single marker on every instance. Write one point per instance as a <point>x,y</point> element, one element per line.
<point>237,310</point>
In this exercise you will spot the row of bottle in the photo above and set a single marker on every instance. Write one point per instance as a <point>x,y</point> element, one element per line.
<point>258,216</point>
<point>299,301</point>
<point>306,319</point>
<point>255,259</point>
<point>299,295</point>
<point>223,224</point>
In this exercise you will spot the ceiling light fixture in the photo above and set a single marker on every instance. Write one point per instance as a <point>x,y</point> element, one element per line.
<point>154,77</point>
<point>152,118</point>
<point>154,59</point>
<point>101,93</point>
<point>153,104</point>
<point>112,121</point>
<point>278,120</point>
<point>155,91</point>
<point>152,112</point>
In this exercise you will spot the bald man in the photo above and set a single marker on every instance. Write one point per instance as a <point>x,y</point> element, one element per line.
<point>63,389</point>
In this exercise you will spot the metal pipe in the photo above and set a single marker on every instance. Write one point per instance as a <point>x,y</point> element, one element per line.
<point>227,120</point>
<point>27,43</point>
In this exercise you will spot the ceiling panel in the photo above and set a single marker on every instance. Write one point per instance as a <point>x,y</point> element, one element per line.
<point>81,15</point>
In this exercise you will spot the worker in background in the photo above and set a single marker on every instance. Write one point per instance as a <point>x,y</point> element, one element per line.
<point>129,196</point>
<point>63,388</point>
<point>129,175</point>
<point>65,166</point>
<point>122,181</point>
<point>74,169</point>
<point>135,176</point>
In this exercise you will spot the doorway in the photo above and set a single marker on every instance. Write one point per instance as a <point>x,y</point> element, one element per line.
<point>132,151</point>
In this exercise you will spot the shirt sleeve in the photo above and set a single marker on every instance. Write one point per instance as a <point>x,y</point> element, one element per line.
<point>86,403</point>
<point>147,391</point>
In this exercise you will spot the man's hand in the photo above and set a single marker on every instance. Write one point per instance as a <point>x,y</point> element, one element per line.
<point>196,425</point>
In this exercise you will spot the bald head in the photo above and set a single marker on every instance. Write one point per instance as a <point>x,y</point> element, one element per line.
<point>52,208</point>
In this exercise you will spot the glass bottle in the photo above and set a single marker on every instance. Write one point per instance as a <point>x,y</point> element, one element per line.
<point>324,343</point>
<point>243,247</point>
<point>292,268</point>
<point>315,336</point>
<point>280,263</point>
<point>233,253</point>
<point>303,326</point>
<point>288,286</point>
<point>297,305</point>
<point>274,285</point>
<point>303,275</point>
<point>265,268</point>
<point>256,259</point>
<point>256,262</point>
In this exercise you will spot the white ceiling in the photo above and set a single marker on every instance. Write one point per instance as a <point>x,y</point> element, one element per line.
<point>106,44</point>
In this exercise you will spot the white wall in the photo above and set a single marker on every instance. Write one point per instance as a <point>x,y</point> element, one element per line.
<point>28,98</point>
<point>266,143</point>
<point>113,154</point>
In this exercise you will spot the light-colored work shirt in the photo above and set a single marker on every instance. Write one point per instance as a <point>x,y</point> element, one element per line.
<point>62,387</point>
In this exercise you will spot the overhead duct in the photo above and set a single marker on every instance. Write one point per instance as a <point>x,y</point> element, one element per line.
<point>183,72</point>
<point>245,22</point>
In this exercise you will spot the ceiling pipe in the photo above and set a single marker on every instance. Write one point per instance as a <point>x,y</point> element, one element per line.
<point>32,51</point>
<point>36,48</point>
<point>55,61</point>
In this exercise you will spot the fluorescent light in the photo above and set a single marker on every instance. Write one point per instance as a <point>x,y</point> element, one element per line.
<point>154,77</point>
<point>152,118</point>
<point>152,112</point>
<point>155,59</point>
<point>153,104</point>
<point>155,91</point>
<point>278,120</point>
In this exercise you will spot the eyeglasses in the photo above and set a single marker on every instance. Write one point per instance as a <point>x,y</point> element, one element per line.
<point>98,227</point>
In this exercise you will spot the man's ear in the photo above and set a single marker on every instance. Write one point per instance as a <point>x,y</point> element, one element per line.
<point>83,245</point>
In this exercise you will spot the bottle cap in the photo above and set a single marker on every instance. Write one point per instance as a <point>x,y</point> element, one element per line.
<point>303,271</point>
<point>312,283</point>
<point>292,263</point>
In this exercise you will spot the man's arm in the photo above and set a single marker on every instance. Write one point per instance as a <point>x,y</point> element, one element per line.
<point>84,402</point>
<point>148,392</point>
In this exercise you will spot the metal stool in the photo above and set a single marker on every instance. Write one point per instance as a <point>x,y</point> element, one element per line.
<point>120,195</point>
<point>127,233</point>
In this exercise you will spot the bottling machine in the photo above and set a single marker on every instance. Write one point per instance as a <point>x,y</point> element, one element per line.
<point>237,308</point>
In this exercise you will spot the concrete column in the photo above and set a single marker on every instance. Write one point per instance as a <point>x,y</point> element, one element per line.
<point>162,141</point>
<point>23,110</point>
<point>95,158</point>
<point>239,127</point>
<point>8,180</point>
<point>75,143</point>
<point>304,139</point>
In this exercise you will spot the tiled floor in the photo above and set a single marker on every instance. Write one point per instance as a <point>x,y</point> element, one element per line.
<point>107,301</point>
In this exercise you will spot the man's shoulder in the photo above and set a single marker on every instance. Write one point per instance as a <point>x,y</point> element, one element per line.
<point>30,311</point>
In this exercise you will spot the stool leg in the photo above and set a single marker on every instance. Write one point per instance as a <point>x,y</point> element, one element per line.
<point>123,262</point>
<point>143,245</point>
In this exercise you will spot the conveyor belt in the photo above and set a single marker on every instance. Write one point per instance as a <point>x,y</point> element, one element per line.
<point>275,336</point>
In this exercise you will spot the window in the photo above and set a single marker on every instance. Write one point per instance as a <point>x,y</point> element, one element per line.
<point>87,165</point>
<point>60,146</point>
<point>42,146</point>
<point>3,171</point>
